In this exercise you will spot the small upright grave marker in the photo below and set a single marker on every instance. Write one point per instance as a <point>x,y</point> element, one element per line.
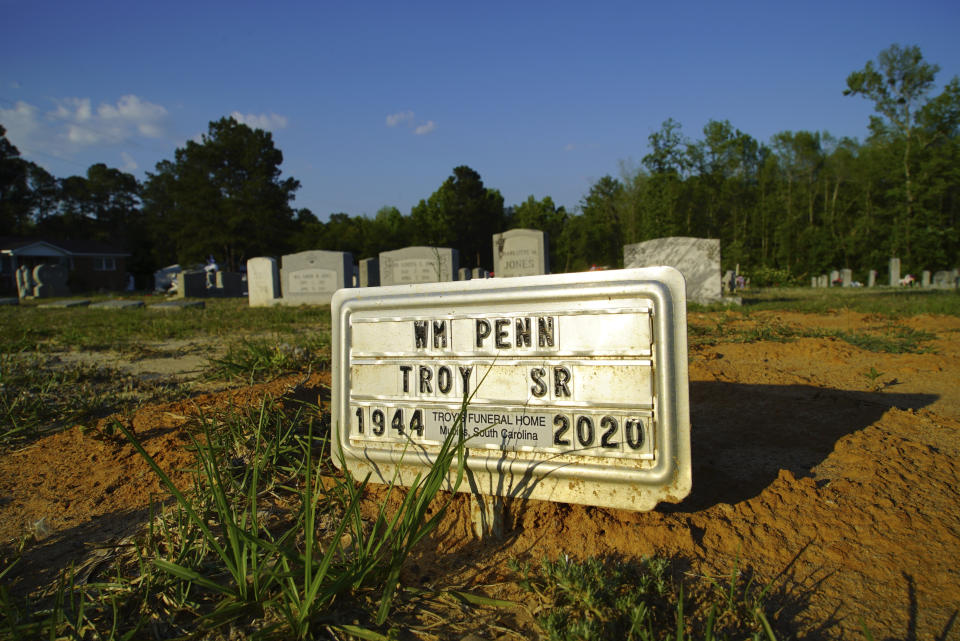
<point>370,272</point>
<point>263,281</point>
<point>568,388</point>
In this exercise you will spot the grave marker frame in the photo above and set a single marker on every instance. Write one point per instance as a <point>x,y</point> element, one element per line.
<point>612,356</point>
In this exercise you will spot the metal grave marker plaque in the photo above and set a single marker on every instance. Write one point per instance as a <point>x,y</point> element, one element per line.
<point>577,384</point>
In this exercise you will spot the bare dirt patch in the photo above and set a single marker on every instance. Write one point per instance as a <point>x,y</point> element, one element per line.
<point>827,468</point>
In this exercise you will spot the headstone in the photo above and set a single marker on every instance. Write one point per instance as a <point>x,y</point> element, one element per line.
<point>834,277</point>
<point>229,284</point>
<point>872,278</point>
<point>177,305</point>
<point>925,278</point>
<point>66,303</point>
<point>370,272</point>
<point>24,277</point>
<point>521,252</point>
<point>191,284</point>
<point>894,272</point>
<point>263,281</point>
<point>463,273</point>
<point>418,265</point>
<point>698,259</point>
<point>729,281</point>
<point>823,280</point>
<point>311,277</point>
<point>943,280</point>
<point>813,281</point>
<point>118,304</point>
<point>50,280</point>
<point>846,276</point>
<point>479,272</point>
<point>41,279</point>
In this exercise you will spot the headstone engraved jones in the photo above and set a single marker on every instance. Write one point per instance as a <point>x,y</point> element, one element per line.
<point>520,252</point>
<point>564,402</point>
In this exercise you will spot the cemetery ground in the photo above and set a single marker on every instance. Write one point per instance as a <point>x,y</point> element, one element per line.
<point>825,502</point>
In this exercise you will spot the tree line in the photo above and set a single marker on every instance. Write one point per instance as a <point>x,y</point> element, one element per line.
<point>803,203</point>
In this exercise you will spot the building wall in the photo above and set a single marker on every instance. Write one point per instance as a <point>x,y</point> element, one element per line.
<point>90,274</point>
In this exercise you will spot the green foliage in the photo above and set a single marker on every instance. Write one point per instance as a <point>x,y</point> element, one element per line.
<point>640,599</point>
<point>223,196</point>
<point>762,276</point>
<point>462,214</point>
<point>260,359</point>
<point>38,394</point>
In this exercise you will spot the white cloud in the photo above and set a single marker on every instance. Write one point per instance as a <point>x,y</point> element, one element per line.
<point>129,164</point>
<point>20,122</point>
<point>130,117</point>
<point>425,128</point>
<point>409,119</point>
<point>267,122</point>
<point>395,119</point>
<point>74,124</point>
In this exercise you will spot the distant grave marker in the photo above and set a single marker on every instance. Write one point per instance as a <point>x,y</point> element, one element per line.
<point>894,272</point>
<point>370,272</point>
<point>117,304</point>
<point>311,277</point>
<point>263,281</point>
<point>413,265</point>
<point>698,259</point>
<point>520,252</point>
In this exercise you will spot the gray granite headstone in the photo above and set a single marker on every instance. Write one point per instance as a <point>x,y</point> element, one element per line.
<point>263,281</point>
<point>872,278</point>
<point>418,265</point>
<point>463,273</point>
<point>520,252</point>
<point>369,272</point>
<point>311,277</point>
<point>894,272</point>
<point>698,259</point>
<point>191,284</point>
<point>479,272</point>
<point>925,278</point>
<point>846,276</point>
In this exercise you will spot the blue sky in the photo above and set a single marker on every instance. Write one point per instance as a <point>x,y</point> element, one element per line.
<point>374,103</point>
